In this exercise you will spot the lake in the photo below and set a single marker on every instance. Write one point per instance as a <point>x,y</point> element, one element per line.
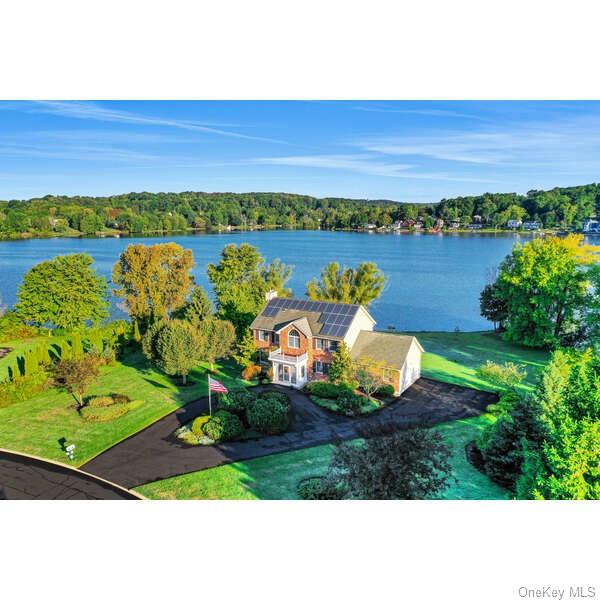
<point>434,280</point>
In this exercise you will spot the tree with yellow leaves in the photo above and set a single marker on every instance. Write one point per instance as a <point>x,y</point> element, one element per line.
<point>153,281</point>
<point>548,286</point>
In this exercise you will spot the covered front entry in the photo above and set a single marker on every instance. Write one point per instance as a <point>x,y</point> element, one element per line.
<point>289,370</point>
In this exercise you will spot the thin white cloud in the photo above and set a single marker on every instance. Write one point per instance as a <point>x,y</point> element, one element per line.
<point>360,163</point>
<point>429,112</point>
<point>529,144</point>
<point>96,112</point>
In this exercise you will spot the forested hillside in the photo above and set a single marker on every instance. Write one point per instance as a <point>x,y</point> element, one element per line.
<point>167,212</point>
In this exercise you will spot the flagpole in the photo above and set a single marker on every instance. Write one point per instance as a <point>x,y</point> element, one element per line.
<point>209,399</point>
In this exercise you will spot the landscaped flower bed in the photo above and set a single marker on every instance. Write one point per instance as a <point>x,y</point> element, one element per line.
<point>344,400</point>
<point>240,415</point>
<point>101,409</point>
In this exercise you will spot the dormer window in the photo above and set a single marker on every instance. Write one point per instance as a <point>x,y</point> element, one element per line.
<point>293,339</point>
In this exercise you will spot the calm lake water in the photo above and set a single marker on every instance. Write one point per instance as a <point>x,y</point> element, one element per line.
<point>434,281</point>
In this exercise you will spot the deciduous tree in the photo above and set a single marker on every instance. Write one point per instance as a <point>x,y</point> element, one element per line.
<point>360,285</point>
<point>241,280</point>
<point>153,281</point>
<point>63,292</point>
<point>547,285</point>
<point>77,374</point>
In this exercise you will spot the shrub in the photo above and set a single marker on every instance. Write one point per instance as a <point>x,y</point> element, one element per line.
<point>280,397</point>
<point>237,401</point>
<point>102,414</point>
<point>509,375</point>
<point>324,389</point>
<point>350,404</point>
<point>251,372</point>
<point>319,488</point>
<point>268,416</point>
<point>265,381</point>
<point>198,424</point>
<point>223,426</point>
<point>22,388</point>
<point>385,391</point>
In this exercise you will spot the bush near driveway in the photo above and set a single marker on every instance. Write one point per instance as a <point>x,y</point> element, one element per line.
<point>223,426</point>
<point>268,416</point>
<point>236,401</point>
<point>280,397</point>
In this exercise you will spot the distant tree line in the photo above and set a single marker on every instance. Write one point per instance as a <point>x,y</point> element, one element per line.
<point>147,212</point>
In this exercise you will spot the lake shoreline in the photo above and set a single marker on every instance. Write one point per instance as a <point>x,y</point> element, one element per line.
<point>198,232</point>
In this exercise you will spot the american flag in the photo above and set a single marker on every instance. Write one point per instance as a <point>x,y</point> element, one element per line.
<point>216,386</point>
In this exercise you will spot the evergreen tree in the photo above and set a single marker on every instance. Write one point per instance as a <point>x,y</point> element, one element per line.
<point>245,350</point>
<point>342,365</point>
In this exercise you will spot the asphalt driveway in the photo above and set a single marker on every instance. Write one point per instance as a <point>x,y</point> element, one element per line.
<point>28,478</point>
<point>154,453</point>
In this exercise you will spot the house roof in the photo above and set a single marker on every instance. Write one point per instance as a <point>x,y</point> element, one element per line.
<point>388,348</point>
<point>329,319</point>
<point>302,324</point>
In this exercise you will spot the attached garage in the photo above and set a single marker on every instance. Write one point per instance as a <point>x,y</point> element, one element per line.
<point>399,355</point>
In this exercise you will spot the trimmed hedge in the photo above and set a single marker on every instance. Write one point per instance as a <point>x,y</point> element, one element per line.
<point>223,426</point>
<point>326,389</point>
<point>268,416</point>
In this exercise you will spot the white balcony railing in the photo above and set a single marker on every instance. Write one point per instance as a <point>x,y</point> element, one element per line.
<point>289,358</point>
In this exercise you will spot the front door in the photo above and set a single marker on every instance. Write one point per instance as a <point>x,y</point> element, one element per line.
<point>286,374</point>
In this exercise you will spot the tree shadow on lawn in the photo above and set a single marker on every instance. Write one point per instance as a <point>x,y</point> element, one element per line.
<point>227,372</point>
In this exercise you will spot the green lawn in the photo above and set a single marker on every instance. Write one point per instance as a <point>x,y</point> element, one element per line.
<point>37,425</point>
<point>276,477</point>
<point>454,357</point>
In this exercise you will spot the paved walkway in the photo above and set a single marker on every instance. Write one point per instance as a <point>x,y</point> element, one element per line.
<point>154,453</point>
<point>28,478</point>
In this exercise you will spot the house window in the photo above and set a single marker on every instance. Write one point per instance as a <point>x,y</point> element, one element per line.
<point>322,368</point>
<point>293,339</point>
<point>328,345</point>
<point>387,375</point>
<point>263,335</point>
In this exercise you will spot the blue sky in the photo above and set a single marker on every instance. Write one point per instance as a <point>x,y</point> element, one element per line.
<point>407,150</point>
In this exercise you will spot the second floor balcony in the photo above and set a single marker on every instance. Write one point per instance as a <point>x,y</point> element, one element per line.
<point>277,354</point>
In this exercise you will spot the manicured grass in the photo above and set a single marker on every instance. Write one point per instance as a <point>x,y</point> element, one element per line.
<point>455,357</point>
<point>272,477</point>
<point>37,425</point>
<point>276,477</point>
<point>467,482</point>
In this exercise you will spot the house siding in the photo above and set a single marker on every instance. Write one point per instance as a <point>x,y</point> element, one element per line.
<point>362,321</point>
<point>411,371</point>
